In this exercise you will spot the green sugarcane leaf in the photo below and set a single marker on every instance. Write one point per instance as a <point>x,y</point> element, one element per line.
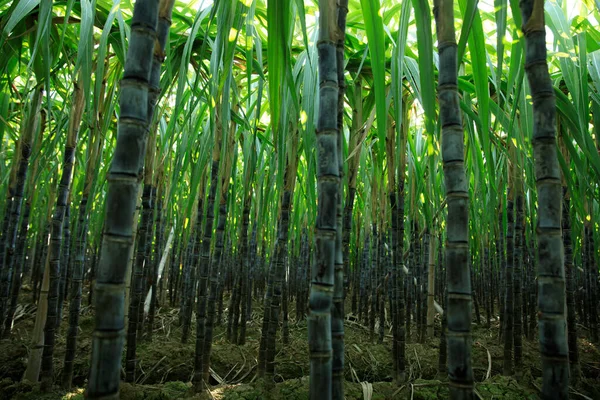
<point>375,34</point>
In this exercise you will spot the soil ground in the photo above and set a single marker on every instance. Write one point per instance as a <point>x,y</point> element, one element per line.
<point>165,365</point>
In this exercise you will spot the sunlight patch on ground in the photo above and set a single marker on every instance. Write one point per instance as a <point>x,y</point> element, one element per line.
<point>77,393</point>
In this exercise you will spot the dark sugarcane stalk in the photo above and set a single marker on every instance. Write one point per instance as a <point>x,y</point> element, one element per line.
<point>474,293</point>
<point>278,276</point>
<point>488,288</point>
<point>77,278</point>
<point>181,285</point>
<point>144,249</point>
<point>246,289</point>
<point>204,263</point>
<point>54,252</point>
<point>251,273</point>
<point>501,267</point>
<point>92,273</point>
<point>223,279</point>
<point>42,260</point>
<point>517,285</point>
<point>133,329</point>
<point>234,303</point>
<point>382,289</point>
<point>458,308</point>
<point>532,291</point>
<point>364,282</point>
<point>410,279</point>
<point>262,349</point>
<point>399,347</point>
<point>430,287</point>
<point>574,366</point>
<point>337,312</point>
<point>551,275</point>
<point>285,327</point>
<point>139,92</point>
<point>191,267</point>
<point>592,270</point>
<point>373,280</point>
<point>215,272</point>
<point>65,253</point>
<point>423,302</point>
<point>157,256</point>
<point>173,271</point>
<point>586,281</point>
<point>303,261</point>
<point>281,255</point>
<point>443,354</point>
<point>507,368</point>
<point>31,245</point>
<point>418,281</point>
<point>328,181</point>
<point>35,269</point>
<point>12,213</point>
<point>19,259</point>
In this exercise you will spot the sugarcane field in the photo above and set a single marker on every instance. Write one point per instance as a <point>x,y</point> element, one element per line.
<point>299,199</point>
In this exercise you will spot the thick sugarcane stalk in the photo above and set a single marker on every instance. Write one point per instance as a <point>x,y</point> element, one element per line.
<point>410,277</point>
<point>189,276</point>
<point>65,253</point>
<point>458,308</point>
<point>574,365</point>
<point>354,150</point>
<point>94,150</point>
<point>138,100</point>
<point>132,255</point>
<point>262,349</point>
<point>423,286</point>
<point>137,290</point>
<point>382,287</point>
<point>144,245</point>
<point>19,259</point>
<point>285,285</point>
<point>251,287</point>
<point>13,208</point>
<point>245,268</point>
<point>302,268</point>
<point>244,251</point>
<point>373,279</point>
<point>281,253</point>
<point>551,274</point>
<point>337,312</point>
<point>501,266</point>
<point>399,347</point>
<point>157,256</point>
<point>146,160</point>
<point>507,368</point>
<point>54,253</point>
<point>517,285</point>
<point>592,279</point>
<point>76,286</point>
<point>204,263</point>
<point>278,271</point>
<point>443,354</point>
<point>328,179</point>
<point>218,253</point>
<point>431,288</point>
